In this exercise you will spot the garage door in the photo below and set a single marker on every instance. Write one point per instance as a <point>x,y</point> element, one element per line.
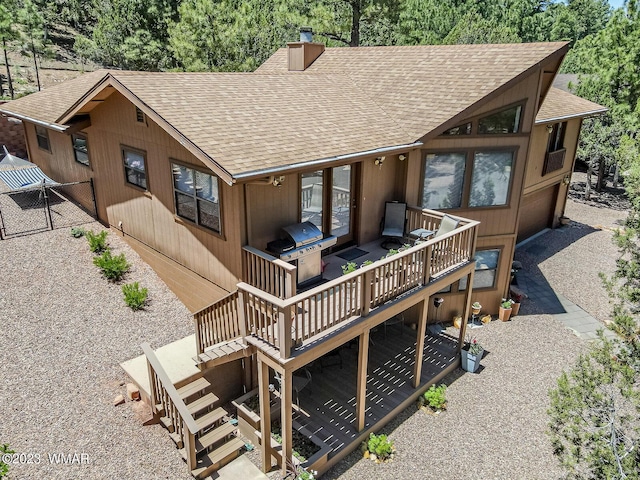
<point>537,212</point>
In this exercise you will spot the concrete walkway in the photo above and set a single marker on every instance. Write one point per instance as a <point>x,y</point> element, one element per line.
<point>540,292</point>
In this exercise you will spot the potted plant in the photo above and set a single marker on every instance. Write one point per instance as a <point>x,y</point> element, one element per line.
<point>506,308</point>
<point>516,299</point>
<point>475,308</point>
<point>471,355</point>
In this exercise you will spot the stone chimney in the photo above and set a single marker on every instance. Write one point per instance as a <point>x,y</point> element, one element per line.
<point>305,52</point>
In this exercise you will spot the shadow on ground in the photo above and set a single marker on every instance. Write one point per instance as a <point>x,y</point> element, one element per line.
<point>542,298</point>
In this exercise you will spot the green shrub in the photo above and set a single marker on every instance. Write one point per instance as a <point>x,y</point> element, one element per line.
<point>134,296</point>
<point>77,232</point>
<point>380,446</point>
<point>97,243</point>
<point>4,467</point>
<point>113,268</point>
<point>349,267</point>
<point>435,397</point>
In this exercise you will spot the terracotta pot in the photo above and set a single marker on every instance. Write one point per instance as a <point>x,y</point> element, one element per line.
<point>475,311</point>
<point>515,308</point>
<point>504,314</point>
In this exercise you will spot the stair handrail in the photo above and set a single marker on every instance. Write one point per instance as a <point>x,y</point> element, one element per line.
<point>187,419</point>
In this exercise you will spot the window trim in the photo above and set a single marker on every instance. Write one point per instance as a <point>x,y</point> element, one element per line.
<point>188,221</point>
<point>45,136</point>
<point>469,153</point>
<point>476,119</point>
<point>500,249</point>
<point>75,150</point>
<point>142,153</point>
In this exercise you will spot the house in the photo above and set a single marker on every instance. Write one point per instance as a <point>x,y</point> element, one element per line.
<point>210,169</point>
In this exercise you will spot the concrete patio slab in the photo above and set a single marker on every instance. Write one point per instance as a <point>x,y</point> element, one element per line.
<point>176,358</point>
<point>240,468</point>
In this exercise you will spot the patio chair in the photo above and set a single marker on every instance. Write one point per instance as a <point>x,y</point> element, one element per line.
<point>298,383</point>
<point>393,223</point>
<point>448,224</point>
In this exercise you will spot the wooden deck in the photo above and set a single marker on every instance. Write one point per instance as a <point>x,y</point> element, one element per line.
<point>328,408</point>
<point>194,291</point>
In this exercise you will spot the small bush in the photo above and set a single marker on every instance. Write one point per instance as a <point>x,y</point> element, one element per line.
<point>97,242</point>
<point>77,232</point>
<point>113,268</point>
<point>4,467</point>
<point>380,446</point>
<point>435,397</point>
<point>348,268</point>
<point>134,296</point>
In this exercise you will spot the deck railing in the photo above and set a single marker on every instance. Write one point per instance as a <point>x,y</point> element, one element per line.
<point>164,397</point>
<point>268,273</point>
<point>217,323</point>
<point>285,322</point>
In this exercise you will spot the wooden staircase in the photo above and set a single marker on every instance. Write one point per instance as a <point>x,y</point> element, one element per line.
<point>205,437</point>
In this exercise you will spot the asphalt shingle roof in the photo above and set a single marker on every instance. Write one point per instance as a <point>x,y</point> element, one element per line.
<point>349,100</point>
<point>559,104</point>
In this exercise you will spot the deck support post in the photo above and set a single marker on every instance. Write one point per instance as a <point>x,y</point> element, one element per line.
<point>467,309</point>
<point>265,414</point>
<point>361,393</point>
<point>422,328</point>
<point>286,422</point>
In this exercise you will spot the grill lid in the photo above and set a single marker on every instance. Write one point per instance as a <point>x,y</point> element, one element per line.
<point>303,233</point>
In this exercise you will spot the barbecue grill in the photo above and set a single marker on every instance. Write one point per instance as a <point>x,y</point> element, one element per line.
<point>302,245</point>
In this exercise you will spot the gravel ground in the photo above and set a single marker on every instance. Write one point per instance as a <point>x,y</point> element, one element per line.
<point>65,330</point>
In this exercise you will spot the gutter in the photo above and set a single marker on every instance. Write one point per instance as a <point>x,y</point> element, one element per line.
<point>52,126</point>
<point>577,115</point>
<point>349,156</point>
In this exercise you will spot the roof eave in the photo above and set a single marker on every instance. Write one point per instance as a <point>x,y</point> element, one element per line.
<point>321,162</point>
<point>560,118</point>
<point>26,118</point>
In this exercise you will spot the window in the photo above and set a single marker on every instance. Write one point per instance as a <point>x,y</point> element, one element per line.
<point>139,116</point>
<point>80,150</point>
<point>197,196</point>
<point>135,170</point>
<point>42,136</point>
<point>464,129</point>
<point>556,137</point>
<point>467,179</point>
<point>491,178</point>
<point>485,271</point>
<point>505,121</point>
<point>443,180</point>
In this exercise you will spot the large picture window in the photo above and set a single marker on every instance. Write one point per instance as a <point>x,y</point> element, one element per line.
<point>135,170</point>
<point>485,271</point>
<point>471,179</point>
<point>42,137</point>
<point>80,148</point>
<point>443,180</point>
<point>197,196</point>
<point>491,178</point>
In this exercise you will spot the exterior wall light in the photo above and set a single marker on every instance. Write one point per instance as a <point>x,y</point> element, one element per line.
<point>379,161</point>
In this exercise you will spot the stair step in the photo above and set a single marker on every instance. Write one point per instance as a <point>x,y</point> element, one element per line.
<point>166,421</point>
<point>177,439</point>
<point>202,403</point>
<point>214,436</point>
<point>210,418</point>
<point>217,458</point>
<point>193,387</point>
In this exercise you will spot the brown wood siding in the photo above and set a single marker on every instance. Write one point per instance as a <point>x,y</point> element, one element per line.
<point>149,216</point>
<point>269,209</point>
<point>378,185</point>
<point>537,211</point>
<point>534,180</point>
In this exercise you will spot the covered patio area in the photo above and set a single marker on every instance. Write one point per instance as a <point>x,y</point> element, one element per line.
<point>328,405</point>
